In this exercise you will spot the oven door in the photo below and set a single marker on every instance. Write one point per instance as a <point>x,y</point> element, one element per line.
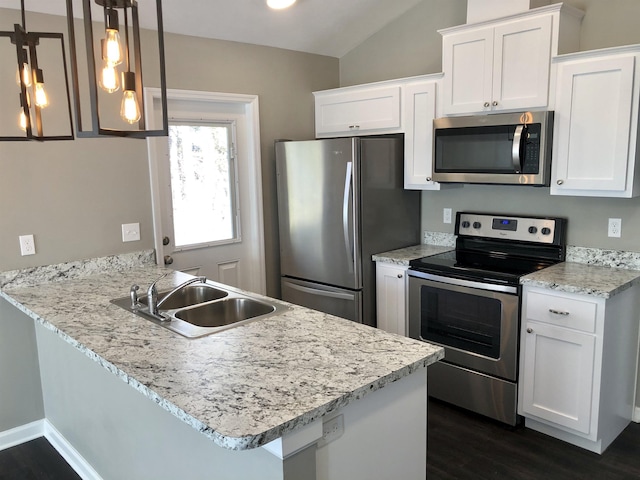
<point>476,322</point>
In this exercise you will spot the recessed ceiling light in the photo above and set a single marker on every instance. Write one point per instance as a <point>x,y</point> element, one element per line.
<point>279,4</point>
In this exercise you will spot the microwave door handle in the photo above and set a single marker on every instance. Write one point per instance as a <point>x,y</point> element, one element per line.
<point>517,152</point>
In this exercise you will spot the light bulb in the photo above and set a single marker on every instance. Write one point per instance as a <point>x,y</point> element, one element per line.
<point>129,110</point>
<point>112,47</point>
<point>26,75</point>
<point>22,121</point>
<point>280,4</point>
<point>40,94</point>
<point>109,80</point>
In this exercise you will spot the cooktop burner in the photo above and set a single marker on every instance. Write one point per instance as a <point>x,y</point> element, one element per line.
<point>499,248</point>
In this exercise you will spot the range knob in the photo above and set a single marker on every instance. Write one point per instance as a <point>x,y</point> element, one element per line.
<point>533,229</point>
<point>465,224</point>
<point>476,225</point>
<point>546,231</point>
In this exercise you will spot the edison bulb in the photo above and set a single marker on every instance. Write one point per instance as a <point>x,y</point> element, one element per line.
<point>112,47</point>
<point>41,96</point>
<point>129,109</point>
<point>22,121</point>
<point>109,80</point>
<point>26,75</point>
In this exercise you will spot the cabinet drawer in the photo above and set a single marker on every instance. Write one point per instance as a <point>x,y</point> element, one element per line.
<point>562,311</point>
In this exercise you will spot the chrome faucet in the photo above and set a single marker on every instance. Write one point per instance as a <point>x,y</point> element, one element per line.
<point>152,294</point>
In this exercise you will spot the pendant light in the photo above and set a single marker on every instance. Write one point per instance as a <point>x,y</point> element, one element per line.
<point>32,92</point>
<point>114,77</point>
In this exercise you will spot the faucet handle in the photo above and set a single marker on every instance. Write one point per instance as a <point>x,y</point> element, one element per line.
<point>133,293</point>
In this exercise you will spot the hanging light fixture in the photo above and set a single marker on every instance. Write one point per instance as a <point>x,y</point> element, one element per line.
<point>31,84</point>
<point>116,65</point>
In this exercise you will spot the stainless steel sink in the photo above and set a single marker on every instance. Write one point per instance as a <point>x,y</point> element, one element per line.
<point>203,309</point>
<point>190,295</point>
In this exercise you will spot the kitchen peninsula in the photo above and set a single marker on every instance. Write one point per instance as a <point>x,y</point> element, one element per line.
<point>248,402</point>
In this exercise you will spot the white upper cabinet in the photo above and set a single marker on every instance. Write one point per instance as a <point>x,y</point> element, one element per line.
<point>405,105</point>
<point>361,110</point>
<point>504,65</point>
<point>596,124</point>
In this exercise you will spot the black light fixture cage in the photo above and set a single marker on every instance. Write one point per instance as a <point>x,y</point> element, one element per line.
<point>97,111</point>
<point>44,53</point>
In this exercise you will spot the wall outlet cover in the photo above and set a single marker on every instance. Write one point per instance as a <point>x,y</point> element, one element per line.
<point>615,227</point>
<point>27,245</point>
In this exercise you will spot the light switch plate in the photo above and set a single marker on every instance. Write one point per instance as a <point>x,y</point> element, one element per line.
<point>130,232</point>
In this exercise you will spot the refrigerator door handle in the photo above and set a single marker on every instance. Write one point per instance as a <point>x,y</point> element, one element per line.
<point>323,293</point>
<point>345,213</point>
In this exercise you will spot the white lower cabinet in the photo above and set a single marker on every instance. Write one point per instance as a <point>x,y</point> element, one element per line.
<point>391,286</point>
<point>578,357</point>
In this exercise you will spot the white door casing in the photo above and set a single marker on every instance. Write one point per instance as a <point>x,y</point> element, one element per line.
<point>245,268</point>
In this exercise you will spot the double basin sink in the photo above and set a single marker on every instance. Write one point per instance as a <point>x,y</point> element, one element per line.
<point>203,308</point>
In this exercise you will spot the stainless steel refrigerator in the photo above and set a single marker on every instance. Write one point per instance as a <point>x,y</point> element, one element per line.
<point>339,202</point>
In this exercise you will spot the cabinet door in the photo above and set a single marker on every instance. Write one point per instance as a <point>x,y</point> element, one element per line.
<point>418,112</point>
<point>592,127</point>
<point>467,61</point>
<point>557,372</point>
<point>358,111</point>
<point>521,63</point>
<point>390,298</point>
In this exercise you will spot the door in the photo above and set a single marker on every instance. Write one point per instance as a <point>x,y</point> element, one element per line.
<point>206,190</point>
<point>317,216</point>
<point>391,298</point>
<point>557,375</point>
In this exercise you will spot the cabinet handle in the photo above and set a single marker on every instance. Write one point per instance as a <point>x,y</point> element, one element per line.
<point>399,275</point>
<point>487,104</point>
<point>529,330</point>
<point>558,312</point>
<point>560,182</point>
<point>495,103</point>
<point>428,179</point>
<point>354,126</point>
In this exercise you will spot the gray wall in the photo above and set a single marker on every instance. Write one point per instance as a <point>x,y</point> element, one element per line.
<point>410,46</point>
<point>73,196</point>
<point>20,390</point>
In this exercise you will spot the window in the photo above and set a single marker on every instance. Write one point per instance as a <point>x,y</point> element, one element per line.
<point>203,184</point>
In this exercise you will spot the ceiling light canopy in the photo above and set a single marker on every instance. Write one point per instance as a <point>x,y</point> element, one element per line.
<point>280,4</point>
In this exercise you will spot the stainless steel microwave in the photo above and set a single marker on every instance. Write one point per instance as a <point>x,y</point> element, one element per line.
<point>504,148</point>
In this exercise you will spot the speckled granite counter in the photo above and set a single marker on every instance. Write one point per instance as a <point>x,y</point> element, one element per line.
<point>584,279</point>
<point>242,387</point>
<point>402,256</point>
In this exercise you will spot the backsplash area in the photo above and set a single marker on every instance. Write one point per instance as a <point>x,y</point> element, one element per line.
<point>586,255</point>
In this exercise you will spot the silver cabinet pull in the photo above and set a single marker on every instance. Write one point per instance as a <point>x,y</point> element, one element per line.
<point>399,275</point>
<point>486,104</point>
<point>529,330</point>
<point>560,182</point>
<point>428,179</point>
<point>495,103</point>
<point>558,312</point>
<point>354,126</point>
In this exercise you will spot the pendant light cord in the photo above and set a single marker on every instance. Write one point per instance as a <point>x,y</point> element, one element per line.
<point>24,22</point>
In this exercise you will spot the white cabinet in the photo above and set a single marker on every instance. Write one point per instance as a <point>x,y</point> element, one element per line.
<point>406,105</point>
<point>596,124</point>
<point>578,365</point>
<point>358,110</point>
<point>504,65</point>
<point>391,285</point>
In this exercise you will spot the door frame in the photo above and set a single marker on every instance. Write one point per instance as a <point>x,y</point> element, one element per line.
<point>252,212</point>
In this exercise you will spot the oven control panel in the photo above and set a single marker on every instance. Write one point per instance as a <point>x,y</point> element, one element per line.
<point>525,229</point>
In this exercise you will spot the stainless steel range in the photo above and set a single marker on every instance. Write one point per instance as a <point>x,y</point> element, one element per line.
<point>468,301</point>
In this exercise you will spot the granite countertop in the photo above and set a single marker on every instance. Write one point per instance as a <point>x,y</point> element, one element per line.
<point>599,281</point>
<point>403,256</point>
<point>242,387</point>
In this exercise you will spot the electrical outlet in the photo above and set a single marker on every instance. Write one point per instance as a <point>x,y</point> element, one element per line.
<point>27,245</point>
<point>615,227</point>
<point>446,215</point>
<point>130,232</point>
<point>332,429</point>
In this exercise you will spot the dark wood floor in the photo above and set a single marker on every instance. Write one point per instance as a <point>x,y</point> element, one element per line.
<point>34,460</point>
<point>462,445</point>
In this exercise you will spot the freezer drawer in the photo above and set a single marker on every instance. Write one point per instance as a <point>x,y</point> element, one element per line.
<point>336,301</point>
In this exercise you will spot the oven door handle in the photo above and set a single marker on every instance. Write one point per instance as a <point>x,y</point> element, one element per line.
<point>464,283</point>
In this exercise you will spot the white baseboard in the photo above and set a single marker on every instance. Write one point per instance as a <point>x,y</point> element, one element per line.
<point>70,454</point>
<point>42,428</point>
<point>636,415</point>
<point>21,434</point>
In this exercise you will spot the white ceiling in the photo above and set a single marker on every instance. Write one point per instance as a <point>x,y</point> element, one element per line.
<point>325,27</point>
